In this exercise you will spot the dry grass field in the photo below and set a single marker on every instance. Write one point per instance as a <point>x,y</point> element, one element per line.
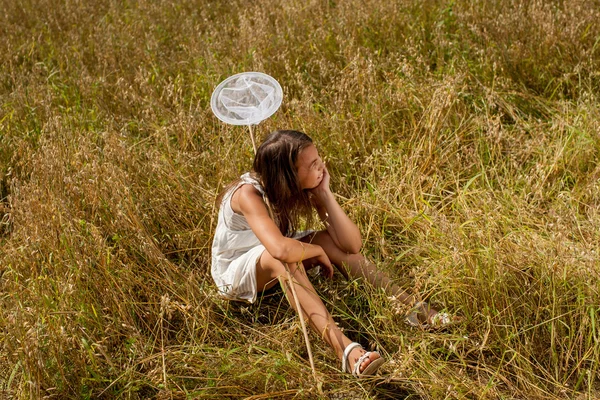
<point>463,137</point>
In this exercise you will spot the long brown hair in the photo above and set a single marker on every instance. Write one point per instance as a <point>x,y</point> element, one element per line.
<point>275,169</point>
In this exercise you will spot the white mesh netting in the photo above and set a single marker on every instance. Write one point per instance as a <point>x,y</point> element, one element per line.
<point>246,98</point>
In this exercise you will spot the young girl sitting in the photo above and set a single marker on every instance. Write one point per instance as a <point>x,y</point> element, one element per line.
<point>257,238</point>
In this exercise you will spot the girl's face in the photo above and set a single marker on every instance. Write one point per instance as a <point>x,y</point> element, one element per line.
<point>310,167</point>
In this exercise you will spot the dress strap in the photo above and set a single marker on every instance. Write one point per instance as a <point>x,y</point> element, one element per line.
<point>247,178</point>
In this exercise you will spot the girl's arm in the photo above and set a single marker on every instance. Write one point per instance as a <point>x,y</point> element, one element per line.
<point>248,201</point>
<point>343,231</point>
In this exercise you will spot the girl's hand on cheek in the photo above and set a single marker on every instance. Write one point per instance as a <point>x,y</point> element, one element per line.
<point>323,186</point>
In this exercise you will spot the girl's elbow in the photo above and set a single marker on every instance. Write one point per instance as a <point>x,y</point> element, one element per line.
<point>279,252</point>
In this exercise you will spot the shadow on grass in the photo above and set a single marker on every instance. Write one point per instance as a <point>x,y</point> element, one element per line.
<point>393,391</point>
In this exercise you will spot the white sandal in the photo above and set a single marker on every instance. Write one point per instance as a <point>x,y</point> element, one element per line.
<point>369,370</point>
<point>439,320</point>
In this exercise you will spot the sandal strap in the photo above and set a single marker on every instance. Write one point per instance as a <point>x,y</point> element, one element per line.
<point>440,319</point>
<point>347,351</point>
<point>413,317</point>
<point>356,370</point>
<point>422,307</point>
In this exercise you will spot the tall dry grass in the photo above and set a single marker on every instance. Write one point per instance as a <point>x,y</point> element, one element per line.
<point>463,137</point>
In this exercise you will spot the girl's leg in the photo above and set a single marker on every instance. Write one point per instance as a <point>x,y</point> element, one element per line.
<point>268,270</point>
<point>359,267</point>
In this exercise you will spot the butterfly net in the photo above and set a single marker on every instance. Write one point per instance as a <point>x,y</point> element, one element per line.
<point>246,99</point>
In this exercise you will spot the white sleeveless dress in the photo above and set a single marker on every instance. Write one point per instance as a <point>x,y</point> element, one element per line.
<point>236,249</point>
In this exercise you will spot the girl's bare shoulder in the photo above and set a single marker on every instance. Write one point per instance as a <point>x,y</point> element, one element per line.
<point>244,196</point>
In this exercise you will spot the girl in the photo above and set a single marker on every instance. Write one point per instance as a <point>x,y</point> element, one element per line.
<point>257,237</point>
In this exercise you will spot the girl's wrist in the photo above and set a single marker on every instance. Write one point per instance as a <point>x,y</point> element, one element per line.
<point>323,195</point>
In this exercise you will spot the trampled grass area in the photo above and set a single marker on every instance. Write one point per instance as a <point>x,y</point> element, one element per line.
<point>462,137</point>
